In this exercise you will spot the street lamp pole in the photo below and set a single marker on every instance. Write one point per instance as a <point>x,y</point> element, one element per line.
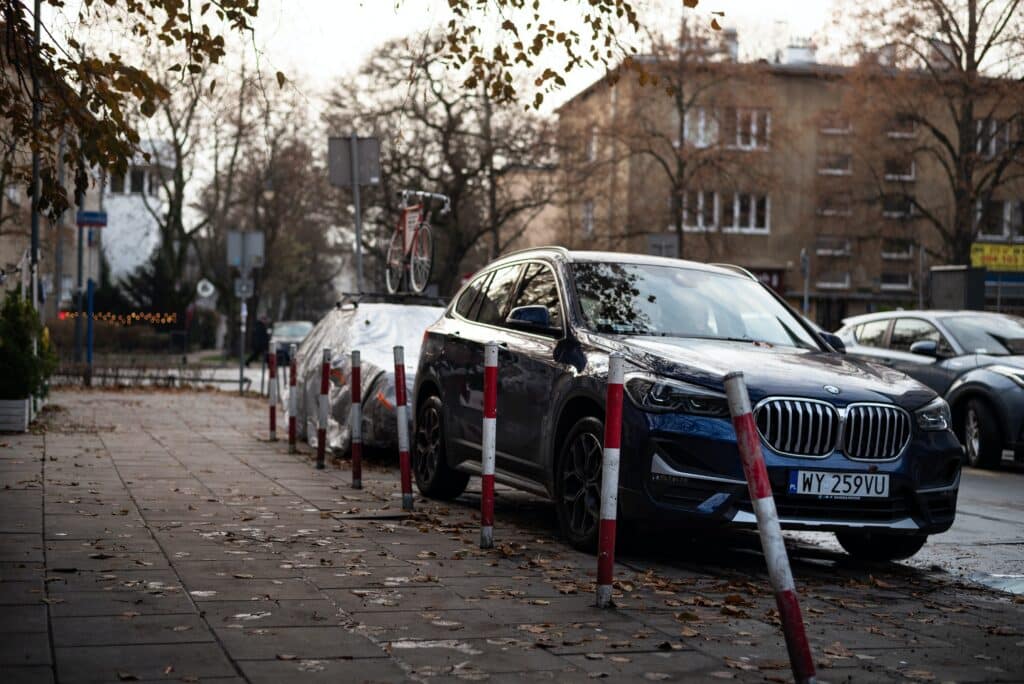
<point>36,115</point>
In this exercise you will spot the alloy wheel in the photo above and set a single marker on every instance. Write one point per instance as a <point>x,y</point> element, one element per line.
<point>972,436</point>
<point>428,444</point>
<point>581,483</point>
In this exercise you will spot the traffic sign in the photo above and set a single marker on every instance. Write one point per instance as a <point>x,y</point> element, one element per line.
<point>244,288</point>
<point>245,250</point>
<point>205,289</point>
<point>339,161</point>
<point>91,219</point>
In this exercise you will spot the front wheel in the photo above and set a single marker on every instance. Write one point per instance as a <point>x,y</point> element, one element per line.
<point>880,546</point>
<point>394,267</point>
<point>980,435</point>
<point>421,259</point>
<point>578,484</point>
<point>434,477</point>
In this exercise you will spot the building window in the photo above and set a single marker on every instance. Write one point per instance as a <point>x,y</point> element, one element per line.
<point>117,184</point>
<point>746,213</point>
<point>834,280</point>
<point>840,164</point>
<point>588,218</point>
<point>700,211</point>
<point>896,282</point>
<point>896,249</point>
<point>746,128</point>
<point>902,126</point>
<point>1001,220</point>
<point>832,246</point>
<point>993,137</point>
<point>897,206</point>
<point>663,244</point>
<point>137,178</point>
<point>900,169</point>
<point>700,127</point>
<point>592,143</point>
<point>834,122</point>
<point>835,204</point>
<point>154,184</point>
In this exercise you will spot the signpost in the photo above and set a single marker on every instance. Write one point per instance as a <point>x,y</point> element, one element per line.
<point>354,161</point>
<point>91,220</point>
<point>245,252</point>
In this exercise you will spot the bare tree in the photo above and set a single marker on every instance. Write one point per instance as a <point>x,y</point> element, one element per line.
<point>938,90</point>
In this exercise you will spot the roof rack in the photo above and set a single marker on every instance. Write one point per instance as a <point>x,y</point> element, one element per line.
<point>554,248</point>
<point>357,298</point>
<point>736,269</point>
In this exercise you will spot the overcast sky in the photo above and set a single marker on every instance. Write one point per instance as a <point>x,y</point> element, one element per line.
<point>321,41</point>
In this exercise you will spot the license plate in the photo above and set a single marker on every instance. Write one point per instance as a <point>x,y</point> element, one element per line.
<point>844,485</point>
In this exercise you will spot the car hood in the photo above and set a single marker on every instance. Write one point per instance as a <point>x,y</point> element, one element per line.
<point>775,371</point>
<point>1017,360</point>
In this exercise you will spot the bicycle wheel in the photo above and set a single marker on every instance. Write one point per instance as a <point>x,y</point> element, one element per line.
<point>394,268</point>
<point>421,259</point>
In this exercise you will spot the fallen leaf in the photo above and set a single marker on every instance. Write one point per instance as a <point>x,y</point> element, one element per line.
<point>285,656</point>
<point>837,650</point>
<point>687,616</point>
<point>919,675</point>
<point>669,646</point>
<point>242,575</point>
<point>127,677</point>
<point>688,632</point>
<point>656,676</point>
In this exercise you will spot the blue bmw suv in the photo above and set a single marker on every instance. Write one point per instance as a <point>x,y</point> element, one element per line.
<point>851,447</point>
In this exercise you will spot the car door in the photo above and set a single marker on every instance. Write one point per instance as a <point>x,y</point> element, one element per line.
<point>870,339</point>
<point>926,369</point>
<point>464,353</point>
<point>527,372</point>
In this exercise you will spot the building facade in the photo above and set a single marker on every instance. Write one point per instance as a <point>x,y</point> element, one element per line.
<point>796,171</point>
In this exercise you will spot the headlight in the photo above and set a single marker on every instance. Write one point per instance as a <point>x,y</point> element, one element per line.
<point>1015,374</point>
<point>660,395</point>
<point>934,415</point>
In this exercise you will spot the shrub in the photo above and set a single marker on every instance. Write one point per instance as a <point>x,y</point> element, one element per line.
<point>23,373</point>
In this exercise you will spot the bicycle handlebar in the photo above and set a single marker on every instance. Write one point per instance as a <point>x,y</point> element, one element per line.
<point>420,194</point>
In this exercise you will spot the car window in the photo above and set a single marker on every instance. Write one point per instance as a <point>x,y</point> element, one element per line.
<point>464,307</point>
<point>987,334</point>
<point>907,331</point>
<point>872,334</point>
<point>538,288</point>
<point>494,301</point>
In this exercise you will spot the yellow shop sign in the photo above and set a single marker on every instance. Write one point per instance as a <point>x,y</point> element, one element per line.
<point>996,257</point>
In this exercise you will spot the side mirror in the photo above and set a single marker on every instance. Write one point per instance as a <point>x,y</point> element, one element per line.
<point>834,341</point>
<point>925,348</point>
<point>533,318</point>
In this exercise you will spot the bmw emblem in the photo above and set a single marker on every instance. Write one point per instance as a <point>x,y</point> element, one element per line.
<point>832,389</point>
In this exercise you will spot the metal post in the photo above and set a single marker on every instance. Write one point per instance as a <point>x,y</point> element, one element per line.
<point>36,114</point>
<point>487,448</point>
<point>358,212</point>
<point>805,268</point>
<point>78,294</point>
<point>609,481</point>
<point>88,327</point>
<point>58,280</point>
<point>241,345</point>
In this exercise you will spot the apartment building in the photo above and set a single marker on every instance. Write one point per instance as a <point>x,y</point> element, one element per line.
<point>769,166</point>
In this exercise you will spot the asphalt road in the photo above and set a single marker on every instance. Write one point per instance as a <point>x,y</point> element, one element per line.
<point>986,543</point>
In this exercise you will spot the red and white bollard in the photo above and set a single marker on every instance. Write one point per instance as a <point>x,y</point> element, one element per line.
<point>609,481</point>
<point>487,454</point>
<point>293,400</point>
<point>321,430</point>
<point>272,392</point>
<point>769,529</point>
<point>402,414</point>
<point>356,422</point>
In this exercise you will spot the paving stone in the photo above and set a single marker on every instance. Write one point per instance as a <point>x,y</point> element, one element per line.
<point>325,671</point>
<point>25,648</point>
<point>267,613</point>
<point>21,619</point>
<point>87,664</point>
<point>35,674</point>
<point>270,643</point>
<point>99,603</point>
<point>21,593</point>
<point>122,629</point>
<point>441,656</point>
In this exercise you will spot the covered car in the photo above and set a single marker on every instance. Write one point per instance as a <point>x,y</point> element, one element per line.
<point>374,329</point>
<point>283,334</point>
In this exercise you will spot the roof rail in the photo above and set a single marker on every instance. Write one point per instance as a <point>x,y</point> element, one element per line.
<point>736,269</point>
<point>562,250</point>
<point>357,298</point>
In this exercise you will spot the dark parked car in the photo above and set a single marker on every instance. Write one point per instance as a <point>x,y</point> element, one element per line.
<point>851,447</point>
<point>975,359</point>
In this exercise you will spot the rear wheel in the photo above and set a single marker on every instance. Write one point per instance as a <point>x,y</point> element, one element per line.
<point>880,546</point>
<point>434,477</point>
<point>421,259</point>
<point>980,435</point>
<point>578,484</point>
<point>395,264</point>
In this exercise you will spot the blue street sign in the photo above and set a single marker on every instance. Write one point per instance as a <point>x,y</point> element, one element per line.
<point>91,219</point>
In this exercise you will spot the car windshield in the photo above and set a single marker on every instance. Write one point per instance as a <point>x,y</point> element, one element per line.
<point>995,335</point>
<point>292,328</point>
<point>672,301</point>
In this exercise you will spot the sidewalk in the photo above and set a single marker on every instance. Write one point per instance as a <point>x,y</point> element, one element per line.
<point>156,536</point>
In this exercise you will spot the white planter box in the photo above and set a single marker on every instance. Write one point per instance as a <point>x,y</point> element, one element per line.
<point>14,414</point>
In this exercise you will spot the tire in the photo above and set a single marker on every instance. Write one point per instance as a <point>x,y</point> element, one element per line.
<point>394,265</point>
<point>434,477</point>
<point>880,546</point>
<point>980,435</point>
<point>578,483</point>
<point>421,259</point>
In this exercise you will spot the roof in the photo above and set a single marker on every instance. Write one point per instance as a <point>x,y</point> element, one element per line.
<point>578,256</point>
<point>919,313</point>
